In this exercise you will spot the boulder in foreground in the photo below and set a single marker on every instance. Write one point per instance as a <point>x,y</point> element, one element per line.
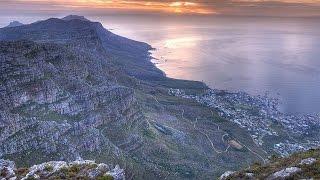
<point>79,169</point>
<point>303,165</point>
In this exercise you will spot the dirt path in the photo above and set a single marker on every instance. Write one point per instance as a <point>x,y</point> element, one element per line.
<point>204,133</point>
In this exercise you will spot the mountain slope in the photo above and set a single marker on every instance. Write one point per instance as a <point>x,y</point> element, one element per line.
<point>302,165</point>
<point>70,88</point>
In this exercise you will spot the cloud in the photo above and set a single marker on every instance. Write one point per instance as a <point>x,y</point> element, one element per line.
<point>224,7</point>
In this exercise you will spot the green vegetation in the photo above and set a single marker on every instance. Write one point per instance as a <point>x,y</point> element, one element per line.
<point>32,54</point>
<point>74,172</point>
<point>308,171</point>
<point>48,168</point>
<point>22,172</point>
<point>55,60</point>
<point>149,133</point>
<point>74,169</point>
<point>105,177</point>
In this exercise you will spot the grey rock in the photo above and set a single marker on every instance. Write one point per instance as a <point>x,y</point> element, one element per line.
<point>51,169</point>
<point>285,173</point>
<point>103,167</point>
<point>308,161</point>
<point>249,175</point>
<point>53,166</point>
<point>7,163</point>
<point>7,169</point>
<point>94,173</point>
<point>117,173</point>
<point>226,175</point>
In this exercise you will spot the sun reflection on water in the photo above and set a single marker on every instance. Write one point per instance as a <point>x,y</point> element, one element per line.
<point>182,42</point>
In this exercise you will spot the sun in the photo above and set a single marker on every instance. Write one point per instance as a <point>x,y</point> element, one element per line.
<point>176,4</point>
<point>178,11</point>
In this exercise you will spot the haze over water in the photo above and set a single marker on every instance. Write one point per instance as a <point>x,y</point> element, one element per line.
<point>255,55</point>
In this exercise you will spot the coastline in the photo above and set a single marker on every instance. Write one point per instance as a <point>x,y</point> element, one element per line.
<point>256,123</point>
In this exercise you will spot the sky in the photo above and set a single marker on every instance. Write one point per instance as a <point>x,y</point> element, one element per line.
<point>194,7</point>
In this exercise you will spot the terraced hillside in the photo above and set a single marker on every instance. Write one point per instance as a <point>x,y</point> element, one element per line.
<point>70,88</point>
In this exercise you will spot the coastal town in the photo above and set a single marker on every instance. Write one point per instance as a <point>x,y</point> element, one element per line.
<point>261,117</point>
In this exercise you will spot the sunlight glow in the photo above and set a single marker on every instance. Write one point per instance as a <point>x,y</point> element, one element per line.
<point>149,6</point>
<point>194,7</point>
<point>179,42</point>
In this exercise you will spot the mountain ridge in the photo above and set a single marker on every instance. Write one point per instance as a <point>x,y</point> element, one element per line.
<point>14,24</point>
<point>73,89</point>
<point>73,17</point>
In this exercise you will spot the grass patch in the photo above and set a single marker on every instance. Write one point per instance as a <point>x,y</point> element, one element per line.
<point>33,53</point>
<point>48,168</point>
<point>149,133</point>
<point>311,171</point>
<point>105,177</point>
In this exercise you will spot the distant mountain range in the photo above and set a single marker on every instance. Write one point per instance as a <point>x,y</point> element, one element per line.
<point>70,88</point>
<point>74,17</point>
<point>15,24</point>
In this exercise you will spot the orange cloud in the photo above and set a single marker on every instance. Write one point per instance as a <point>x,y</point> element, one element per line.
<point>224,7</point>
<point>155,6</point>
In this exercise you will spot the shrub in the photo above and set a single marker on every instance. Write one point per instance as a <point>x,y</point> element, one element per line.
<point>74,169</point>
<point>48,168</point>
<point>105,177</point>
<point>22,171</point>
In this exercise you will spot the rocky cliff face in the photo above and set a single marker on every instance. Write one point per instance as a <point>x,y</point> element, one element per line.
<point>70,88</point>
<point>61,98</point>
<point>50,96</point>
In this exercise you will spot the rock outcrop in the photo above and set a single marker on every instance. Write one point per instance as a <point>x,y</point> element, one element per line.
<point>284,173</point>
<point>226,175</point>
<point>303,165</point>
<point>80,169</point>
<point>7,169</point>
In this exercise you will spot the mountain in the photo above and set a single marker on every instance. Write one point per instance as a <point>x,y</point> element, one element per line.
<point>302,165</point>
<point>70,88</point>
<point>14,24</point>
<point>73,17</point>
